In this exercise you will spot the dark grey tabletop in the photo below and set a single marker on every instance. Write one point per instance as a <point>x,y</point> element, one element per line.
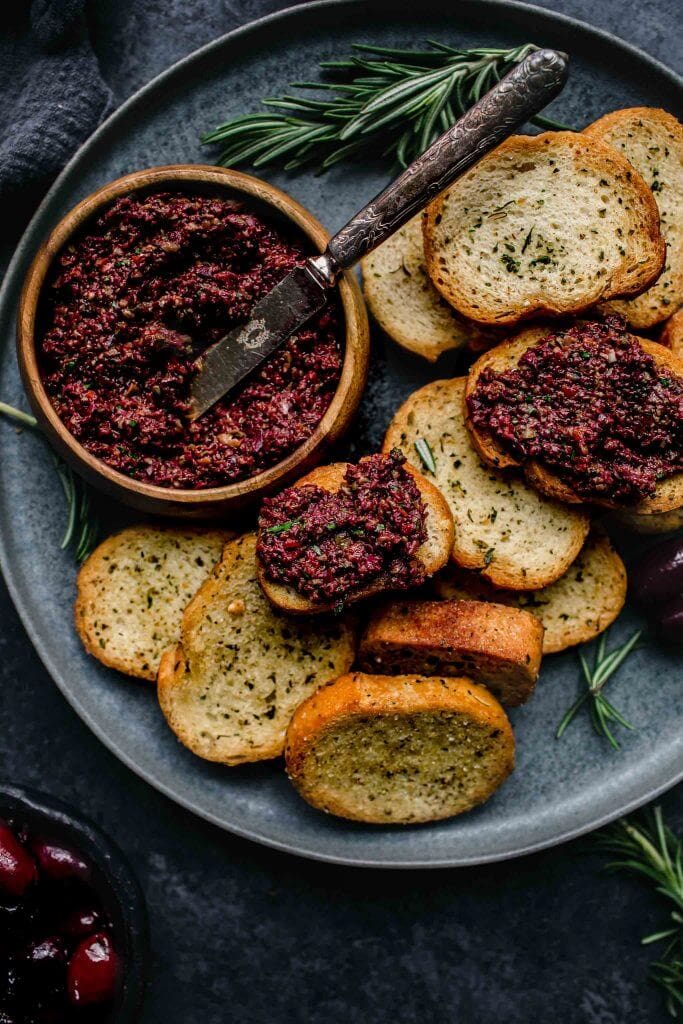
<point>243,934</point>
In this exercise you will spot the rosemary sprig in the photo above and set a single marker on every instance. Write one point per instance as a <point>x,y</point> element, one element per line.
<point>651,849</point>
<point>401,100</point>
<point>82,526</point>
<point>601,710</point>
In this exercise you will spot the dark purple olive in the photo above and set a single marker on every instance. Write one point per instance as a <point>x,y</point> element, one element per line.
<point>17,867</point>
<point>92,971</point>
<point>658,575</point>
<point>48,954</point>
<point>58,862</point>
<point>82,922</point>
<point>670,621</point>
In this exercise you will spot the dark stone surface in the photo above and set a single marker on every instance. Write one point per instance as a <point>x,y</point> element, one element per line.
<point>244,934</point>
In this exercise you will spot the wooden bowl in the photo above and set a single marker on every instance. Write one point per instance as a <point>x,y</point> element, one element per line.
<point>216,500</point>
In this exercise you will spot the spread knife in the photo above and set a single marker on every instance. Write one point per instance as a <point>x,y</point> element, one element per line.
<point>524,91</point>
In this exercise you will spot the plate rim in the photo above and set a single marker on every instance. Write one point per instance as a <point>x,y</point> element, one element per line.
<point>14,585</point>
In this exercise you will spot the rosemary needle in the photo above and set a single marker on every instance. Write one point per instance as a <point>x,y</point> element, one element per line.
<point>602,711</point>
<point>18,416</point>
<point>424,450</point>
<point>400,100</point>
<point>82,527</point>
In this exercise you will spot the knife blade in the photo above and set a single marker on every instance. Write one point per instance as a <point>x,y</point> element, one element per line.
<point>274,319</point>
<point>524,91</point>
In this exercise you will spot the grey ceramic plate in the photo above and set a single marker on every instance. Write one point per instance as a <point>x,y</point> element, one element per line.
<point>559,789</point>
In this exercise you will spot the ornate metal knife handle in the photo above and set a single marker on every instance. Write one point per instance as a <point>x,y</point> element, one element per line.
<point>529,87</point>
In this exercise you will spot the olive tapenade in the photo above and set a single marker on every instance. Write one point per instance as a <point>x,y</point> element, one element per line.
<point>133,302</point>
<point>330,545</point>
<point>593,406</point>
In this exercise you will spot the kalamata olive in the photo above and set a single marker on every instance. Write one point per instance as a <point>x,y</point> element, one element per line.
<point>17,867</point>
<point>658,575</point>
<point>92,970</point>
<point>83,921</point>
<point>669,621</point>
<point>47,954</point>
<point>58,862</point>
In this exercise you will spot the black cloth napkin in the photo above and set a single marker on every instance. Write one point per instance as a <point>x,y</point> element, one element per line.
<point>53,97</point>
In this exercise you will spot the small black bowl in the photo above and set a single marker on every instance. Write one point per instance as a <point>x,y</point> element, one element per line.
<point>112,879</point>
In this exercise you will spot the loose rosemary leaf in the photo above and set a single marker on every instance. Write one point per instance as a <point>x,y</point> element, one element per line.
<point>424,450</point>
<point>82,526</point>
<point>397,100</point>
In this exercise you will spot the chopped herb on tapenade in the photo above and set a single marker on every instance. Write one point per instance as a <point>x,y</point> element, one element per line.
<point>342,542</point>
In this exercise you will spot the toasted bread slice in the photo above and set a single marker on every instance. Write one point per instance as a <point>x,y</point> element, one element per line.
<point>547,225</point>
<point>503,527</point>
<point>652,141</point>
<point>492,644</point>
<point>672,334</point>
<point>660,522</point>
<point>669,492</point>
<point>229,689</point>
<point>399,749</point>
<point>133,589</point>
<point>573,610</point>
<point>405,303</point>
<point>433,553</point>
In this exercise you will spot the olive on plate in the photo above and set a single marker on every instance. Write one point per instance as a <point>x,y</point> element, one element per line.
<point>656,583</point>
<point>670,621</point>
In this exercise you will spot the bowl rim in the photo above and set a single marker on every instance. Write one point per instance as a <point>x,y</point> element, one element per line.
<point>356,334</point>
<point>114,867</point>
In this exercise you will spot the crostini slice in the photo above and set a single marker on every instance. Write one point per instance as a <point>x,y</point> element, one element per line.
<point>405,303</point>
<point>669,492</point>
<point>229,689</point>
<point>433,554</point>
<point>504,528</point>
<point>399,749</point>
<point>493,644</point>
<point>573,610</point>
<point>652,141</point>
<point>672,334</point>
<point>544,225</point>
<point>655,523</point>
<point>133,589</point>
